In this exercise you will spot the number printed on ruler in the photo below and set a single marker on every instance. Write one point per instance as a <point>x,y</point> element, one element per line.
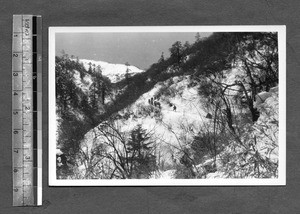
<point>26,174</point>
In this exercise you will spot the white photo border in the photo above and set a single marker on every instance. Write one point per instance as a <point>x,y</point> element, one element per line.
<point>281,180</point>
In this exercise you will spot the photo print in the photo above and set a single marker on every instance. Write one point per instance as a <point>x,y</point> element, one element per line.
<point>184,105</point>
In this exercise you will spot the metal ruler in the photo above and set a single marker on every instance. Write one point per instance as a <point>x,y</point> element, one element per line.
<point>27,110</point>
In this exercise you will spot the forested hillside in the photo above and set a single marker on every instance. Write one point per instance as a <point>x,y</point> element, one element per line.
<point>210,110</point>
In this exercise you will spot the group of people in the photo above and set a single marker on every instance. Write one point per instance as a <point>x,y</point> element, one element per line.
<point>154,101</point>
<point>172,105</point>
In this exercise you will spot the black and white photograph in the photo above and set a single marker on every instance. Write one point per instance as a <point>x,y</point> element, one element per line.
<point>167,105</point>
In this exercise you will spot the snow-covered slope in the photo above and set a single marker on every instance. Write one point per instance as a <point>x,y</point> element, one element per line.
<point>266,148</point>
<point>172,127</point>
<point>115,72</point>
<point>83,83</point>
<point>174,113</point>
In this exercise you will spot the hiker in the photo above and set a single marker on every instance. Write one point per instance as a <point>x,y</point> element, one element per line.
<point>208,116</point>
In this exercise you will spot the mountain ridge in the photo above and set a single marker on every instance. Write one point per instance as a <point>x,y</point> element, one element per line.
<point>114,71</point>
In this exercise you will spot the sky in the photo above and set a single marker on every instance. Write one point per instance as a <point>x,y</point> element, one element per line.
<point>139,49</point>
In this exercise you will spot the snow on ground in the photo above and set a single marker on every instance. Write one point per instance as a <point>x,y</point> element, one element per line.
<point>170,128</point>
<point>173,128</point>
<point>266,127</point>
<point>115,72</point>
<point>84,83</point>
<point>263,96</point>
<point>266,132</point>
<point>58,152</point>
<point>168,174</point>
<point>215,175</point>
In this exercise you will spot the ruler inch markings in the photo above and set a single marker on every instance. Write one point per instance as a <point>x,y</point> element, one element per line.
<point>27,183</point>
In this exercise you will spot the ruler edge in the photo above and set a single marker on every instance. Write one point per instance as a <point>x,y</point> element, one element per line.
<point>39,107</point>
<point>39,34</point>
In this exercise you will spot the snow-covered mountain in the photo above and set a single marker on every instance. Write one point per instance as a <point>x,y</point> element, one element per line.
<point>173,122</point>
<point>178,118</point>
<point>115,72</point>
<point>205,117</point>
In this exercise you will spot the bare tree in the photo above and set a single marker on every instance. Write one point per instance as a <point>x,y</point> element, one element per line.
<point>131,156</point>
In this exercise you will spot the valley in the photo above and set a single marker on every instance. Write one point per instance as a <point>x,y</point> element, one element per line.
<point>208,111</point>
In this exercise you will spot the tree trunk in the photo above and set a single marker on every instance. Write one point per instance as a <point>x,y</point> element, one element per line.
<point>254,112</point>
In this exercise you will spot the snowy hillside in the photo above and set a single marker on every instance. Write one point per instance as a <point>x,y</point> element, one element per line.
<point>209,111</point>
<point>171,126</point>
<point>266,147</point>
<point>178,117</point>
<point>115,72</point>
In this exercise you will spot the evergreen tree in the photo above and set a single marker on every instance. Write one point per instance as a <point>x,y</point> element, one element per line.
<point>65,86</point>
<point>198,37</point>
<point>141,149</point>
<point>186,45</point>
<point>90,70</point>
<point>99,70</point>
<point>105,88</point>
<point>176,51</point>
<point>95,90</point>
<point>162,58</point>
<point>127,75</point>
